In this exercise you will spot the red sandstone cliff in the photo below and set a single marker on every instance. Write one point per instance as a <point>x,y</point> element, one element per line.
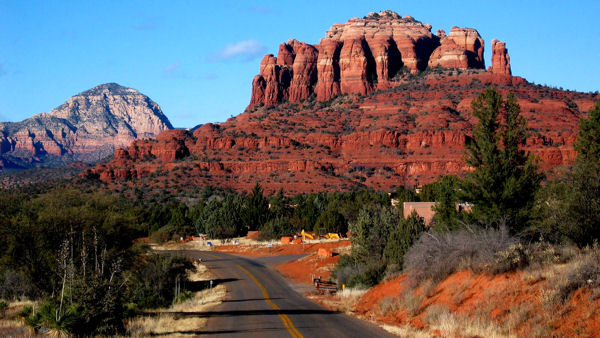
<point>500,59</point>
<point>364,55</point>
<point>405,127</point>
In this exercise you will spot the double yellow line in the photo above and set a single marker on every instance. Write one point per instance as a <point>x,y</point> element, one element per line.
<point>284,318</point>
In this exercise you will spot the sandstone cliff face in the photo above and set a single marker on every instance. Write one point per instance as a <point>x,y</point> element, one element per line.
<point>409,130</point>
<point>500,59</point>
<point>408,136</point>
<point>88,127</point>
<point>361,56</point>
<point>462,48</point>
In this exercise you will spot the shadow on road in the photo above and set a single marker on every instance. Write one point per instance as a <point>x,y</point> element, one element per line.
<point>198,332</point>
<point>205,284</point>
<point>238,313</point>
<point>246,300</point>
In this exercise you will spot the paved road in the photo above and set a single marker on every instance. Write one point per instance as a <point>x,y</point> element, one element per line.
<point>260,303</point>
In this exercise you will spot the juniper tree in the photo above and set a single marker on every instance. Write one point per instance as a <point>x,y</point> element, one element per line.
<point>505,178</point>
<point>256,210</point>
<point>583,199</point>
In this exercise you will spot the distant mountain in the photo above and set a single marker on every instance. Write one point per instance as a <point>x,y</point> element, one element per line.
<point>88,127</point>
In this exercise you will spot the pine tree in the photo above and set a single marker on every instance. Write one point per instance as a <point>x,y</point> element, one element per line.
<point>588,139</point>
<point>505,179</point>
<point>583,199</point>
<point>256,211</point>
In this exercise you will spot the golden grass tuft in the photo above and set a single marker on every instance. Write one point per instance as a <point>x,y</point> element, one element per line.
<point>174,322</point>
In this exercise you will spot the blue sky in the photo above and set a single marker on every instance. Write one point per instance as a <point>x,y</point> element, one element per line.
<point>197,58</point>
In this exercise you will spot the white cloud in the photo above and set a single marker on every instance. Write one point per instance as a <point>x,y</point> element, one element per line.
<point>248,50</point>
<point>170,69</point>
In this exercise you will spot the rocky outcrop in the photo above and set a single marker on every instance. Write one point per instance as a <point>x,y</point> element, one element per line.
<point>328,69</point>
<point>304,70</point>
<point>88,127</point>
<point>500,59</point>
<point>410,136</point>
<point>403,136</point>
<point>289,76</point>
<point>361,56</point>
<point>462,48</point>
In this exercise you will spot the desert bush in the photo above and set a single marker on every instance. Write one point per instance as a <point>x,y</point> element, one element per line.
<point>14,286</point>
<point>436,313</point>
<point>582,271</point>
<point>3,307</point>
<point>359,274</point>
<point>411,302</point>
<point>402,238</point>
<point>162,235</point>
<point>436,255</point>
<point>331,221</point>
<point>153,280</point>
<point>275,228</point>
<point>182,297</point>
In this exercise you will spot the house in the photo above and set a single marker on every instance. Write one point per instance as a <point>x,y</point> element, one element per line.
<point>423,210</point>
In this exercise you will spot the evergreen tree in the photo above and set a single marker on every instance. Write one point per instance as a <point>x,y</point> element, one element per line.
<point>446,190</point>
<point>505,179</point>
<point>402,238</point>
<point>256,211</point>
<point>583,203</point>
<point>588,139</point>
<point>568,209</point>
<point>331,221</point>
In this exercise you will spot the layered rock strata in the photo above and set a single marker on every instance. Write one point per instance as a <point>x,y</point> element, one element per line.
<point>88,127</point>
<point>500,59</point>
<point>361,56</point>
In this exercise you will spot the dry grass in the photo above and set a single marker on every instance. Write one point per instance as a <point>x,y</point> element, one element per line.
<point>348,298</point>
<point>411,303</point>
<point>439,318</point>
<point>174,321</point>
<point>343,301</point>
<point>407,331</point>
<point>11,325</point>
<point>408,301</point>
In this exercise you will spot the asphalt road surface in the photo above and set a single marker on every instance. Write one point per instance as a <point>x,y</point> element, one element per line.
<point>260,303</point>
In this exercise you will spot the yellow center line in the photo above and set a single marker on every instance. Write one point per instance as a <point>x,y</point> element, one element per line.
<point>284,318</point>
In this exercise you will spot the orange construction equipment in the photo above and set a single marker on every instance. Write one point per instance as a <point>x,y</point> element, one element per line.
<point>286,240</point>
<point>306,235</point>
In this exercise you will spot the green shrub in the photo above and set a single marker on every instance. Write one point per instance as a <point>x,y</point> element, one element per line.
<point>402,238</point>
<point>3,307</point>
<point>185,295</point>
<point>331,221</point>
<point>354,273</point>
<point>275,229</point>
<point>153,280</point>
<point>582,271</point>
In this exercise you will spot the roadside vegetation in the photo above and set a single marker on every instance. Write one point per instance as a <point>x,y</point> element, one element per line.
<point>518,225</point>
<point>70,246</point>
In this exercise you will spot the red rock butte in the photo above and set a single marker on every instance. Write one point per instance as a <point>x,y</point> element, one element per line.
<point>366,55</point>
<point>380,102</point>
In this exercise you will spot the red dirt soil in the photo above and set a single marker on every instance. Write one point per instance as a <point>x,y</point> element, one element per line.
<point>466,293</point>
<point>281,249</point>
<point>303,270</point>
